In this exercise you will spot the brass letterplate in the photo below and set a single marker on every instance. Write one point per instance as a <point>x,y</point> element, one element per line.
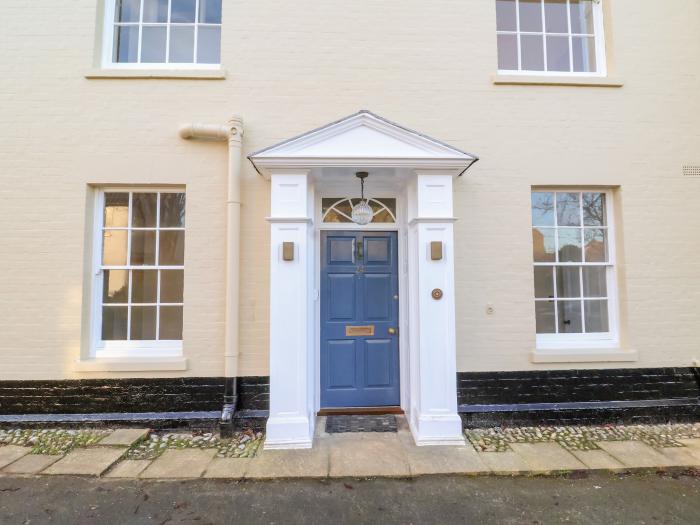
<point>359,331</point>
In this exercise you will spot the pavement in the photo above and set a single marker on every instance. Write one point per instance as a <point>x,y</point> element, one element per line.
<point>585,498</point>
<point>348,455</point>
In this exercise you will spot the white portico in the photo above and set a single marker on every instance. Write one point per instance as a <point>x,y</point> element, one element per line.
<point>405,167</point>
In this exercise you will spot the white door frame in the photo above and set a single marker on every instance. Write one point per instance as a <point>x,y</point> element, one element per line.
<point>376,188</point>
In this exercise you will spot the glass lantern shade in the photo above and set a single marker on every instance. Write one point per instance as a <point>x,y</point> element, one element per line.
<point>362,213</point>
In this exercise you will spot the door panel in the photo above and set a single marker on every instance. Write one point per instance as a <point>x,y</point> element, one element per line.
<point>341,364</point>
<point>377,297</point>
<point>341,286</point>
<point>379,362</point>
<point>378,250</point>
<point>359,289</point>
<point>341,250</point>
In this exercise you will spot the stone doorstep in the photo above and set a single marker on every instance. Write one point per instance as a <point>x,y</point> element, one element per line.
<point>380,456</point>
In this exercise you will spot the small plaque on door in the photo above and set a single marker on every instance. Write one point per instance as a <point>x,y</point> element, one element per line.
<point>359,331</point>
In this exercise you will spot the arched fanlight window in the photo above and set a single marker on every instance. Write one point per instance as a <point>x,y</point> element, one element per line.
<point>339,209</point>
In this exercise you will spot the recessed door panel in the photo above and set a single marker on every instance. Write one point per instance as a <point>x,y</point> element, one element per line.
<point>378,250</point>
<point>377,296</point>
<point>341,287</point>
<point>359,317</point>
<point>379,365</point>
<point>341,364</point>
<point>341,250</point>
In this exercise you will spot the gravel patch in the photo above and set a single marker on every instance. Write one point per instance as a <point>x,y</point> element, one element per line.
<point>244,444</point>
<point>52,441</point>
<point>497,439</point>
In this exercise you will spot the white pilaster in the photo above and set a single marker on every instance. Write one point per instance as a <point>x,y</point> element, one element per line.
<point>433,412</point>
<point>291,421</point>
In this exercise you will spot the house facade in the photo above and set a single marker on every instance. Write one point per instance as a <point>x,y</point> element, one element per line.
<point>462,210</point>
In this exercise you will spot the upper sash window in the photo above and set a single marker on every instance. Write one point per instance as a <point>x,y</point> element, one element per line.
<point>556,37</point>
<point>157,33</point>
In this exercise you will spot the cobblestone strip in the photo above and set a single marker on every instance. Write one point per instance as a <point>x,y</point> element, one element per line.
<point>244,444</point>
<point>53,441</point>
<point>498,439</point>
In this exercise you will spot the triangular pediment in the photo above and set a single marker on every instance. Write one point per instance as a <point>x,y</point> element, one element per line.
<point>362,136</point>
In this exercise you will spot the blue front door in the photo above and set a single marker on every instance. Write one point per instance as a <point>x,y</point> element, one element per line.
<point>359,319</point>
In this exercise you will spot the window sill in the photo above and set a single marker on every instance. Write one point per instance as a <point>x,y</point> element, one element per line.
<point>194,74</point>
<point>545,80</point>
<point>583,355</point>
<point>131,364</point>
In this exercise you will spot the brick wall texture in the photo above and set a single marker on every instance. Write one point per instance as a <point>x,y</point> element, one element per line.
<point>293,66</point>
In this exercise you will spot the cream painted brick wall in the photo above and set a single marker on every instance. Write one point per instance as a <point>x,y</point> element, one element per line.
<point>293,66</point>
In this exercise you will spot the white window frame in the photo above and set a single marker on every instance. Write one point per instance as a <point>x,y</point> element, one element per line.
<point>100,349</point>
<point>582,341</point>
<point>108,28</point>
<point>599,28</point>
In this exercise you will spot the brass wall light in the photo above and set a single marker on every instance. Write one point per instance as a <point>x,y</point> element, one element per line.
<point>287,251</point>
<point>435,250</point>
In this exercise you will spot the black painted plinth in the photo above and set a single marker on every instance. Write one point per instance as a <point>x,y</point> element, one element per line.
<point>88,396</point>
<point>551,397</point>
<point>578,397</point>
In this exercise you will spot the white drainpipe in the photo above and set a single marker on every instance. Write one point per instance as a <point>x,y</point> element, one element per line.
<point>233,132</point>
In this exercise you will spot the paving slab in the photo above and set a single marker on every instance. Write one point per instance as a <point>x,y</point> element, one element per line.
<point>124,437</point>
<point>11,453</point>
<point>635,454</point>
<point>693,443</point>
<point>91,461</point>
<point>681,456</point>
<point>373,455</point>
<point>228,468</point>
<point>31,464</point>
<point>546,457</point>
<point>598,460</point>
<point>183,463</point>
<point>129,468</point>
<point>304,463</point>
<point>507,463</point>
<point>444,460</point>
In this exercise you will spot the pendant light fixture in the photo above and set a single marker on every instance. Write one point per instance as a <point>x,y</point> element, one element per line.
<point>362,212</point>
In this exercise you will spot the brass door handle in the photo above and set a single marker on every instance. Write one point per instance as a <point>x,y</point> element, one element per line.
<point>392,331</point>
